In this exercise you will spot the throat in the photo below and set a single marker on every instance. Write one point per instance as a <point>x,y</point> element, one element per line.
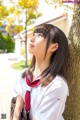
<point>35,76</point>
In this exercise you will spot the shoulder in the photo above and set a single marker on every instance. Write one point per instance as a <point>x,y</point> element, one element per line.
<point>20,79</point>
<point>60,81</point>
<point>22,74</point>
<point>59,84</point>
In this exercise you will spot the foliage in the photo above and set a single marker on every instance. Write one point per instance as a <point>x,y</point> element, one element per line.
<point>3,12</point>
<point>32,16</point>
<point>26,4</point>
<point>6,43</point>
<point>30,10</point>
<point>2,42</point>
<point>22,12</point>
<point>56,3</point>
<point>9,43</point>
<point>16,14</point>
<point>14,29</point>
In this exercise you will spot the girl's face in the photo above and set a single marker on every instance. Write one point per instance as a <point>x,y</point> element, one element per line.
<point>37,45</point>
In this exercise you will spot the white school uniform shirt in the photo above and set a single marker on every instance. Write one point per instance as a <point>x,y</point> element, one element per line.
<point>47,103</point>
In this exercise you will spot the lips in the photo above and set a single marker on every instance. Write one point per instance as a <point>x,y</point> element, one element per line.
<point>31,45</point>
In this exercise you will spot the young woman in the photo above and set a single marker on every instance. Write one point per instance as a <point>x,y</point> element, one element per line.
<point>49,48</point>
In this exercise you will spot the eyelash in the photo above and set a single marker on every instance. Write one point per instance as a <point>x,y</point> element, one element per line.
<point>38,35</point>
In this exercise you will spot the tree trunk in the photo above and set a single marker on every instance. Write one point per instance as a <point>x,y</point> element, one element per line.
<point>26,40</point>
<point>72,111</point>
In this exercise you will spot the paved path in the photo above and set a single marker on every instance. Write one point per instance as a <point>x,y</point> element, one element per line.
<point>8,77</point>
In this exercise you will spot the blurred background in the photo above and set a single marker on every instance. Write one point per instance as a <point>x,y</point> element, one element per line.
<point>18,19</point>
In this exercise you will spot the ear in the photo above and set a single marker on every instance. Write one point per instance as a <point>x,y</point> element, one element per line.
<point>54,47</point>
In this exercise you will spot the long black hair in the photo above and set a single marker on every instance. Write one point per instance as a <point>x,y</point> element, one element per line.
<point>59,58</point>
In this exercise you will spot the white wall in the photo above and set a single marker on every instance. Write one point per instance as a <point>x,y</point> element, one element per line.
<point>17,46</point>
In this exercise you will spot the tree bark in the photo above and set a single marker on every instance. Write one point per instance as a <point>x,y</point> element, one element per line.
<point>72,111</point>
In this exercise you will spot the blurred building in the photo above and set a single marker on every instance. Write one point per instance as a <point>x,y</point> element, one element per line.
<point>62,21</point>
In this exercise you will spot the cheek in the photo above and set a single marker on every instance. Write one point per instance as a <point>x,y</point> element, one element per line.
<point>41,48</point>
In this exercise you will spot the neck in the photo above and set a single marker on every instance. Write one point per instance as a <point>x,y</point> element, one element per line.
<point>40,66</point>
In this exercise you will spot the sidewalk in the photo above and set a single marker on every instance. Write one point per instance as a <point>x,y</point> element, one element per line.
<point>8,77</point>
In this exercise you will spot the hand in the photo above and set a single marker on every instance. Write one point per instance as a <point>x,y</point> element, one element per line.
<point>18,107</point>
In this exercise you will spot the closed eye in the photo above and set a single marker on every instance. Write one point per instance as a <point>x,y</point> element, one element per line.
<point>40,34</point>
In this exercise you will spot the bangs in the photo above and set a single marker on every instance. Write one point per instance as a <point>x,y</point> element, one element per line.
<point>42,29</point>
<point>48,31</point>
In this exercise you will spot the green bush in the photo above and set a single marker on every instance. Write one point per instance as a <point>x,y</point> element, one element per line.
<point>10,44</point>
<point>6,43</point>
<point>2,42</point>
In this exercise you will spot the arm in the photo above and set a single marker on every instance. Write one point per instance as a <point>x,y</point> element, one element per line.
<point>18,107</point>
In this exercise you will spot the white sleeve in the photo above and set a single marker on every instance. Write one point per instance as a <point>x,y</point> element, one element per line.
<point>53,104</point>
<point>18,87</point>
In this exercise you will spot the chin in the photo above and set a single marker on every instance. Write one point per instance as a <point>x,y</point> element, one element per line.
<point>30,52</point>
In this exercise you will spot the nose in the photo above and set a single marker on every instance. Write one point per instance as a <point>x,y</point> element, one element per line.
<point>32,39</point>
